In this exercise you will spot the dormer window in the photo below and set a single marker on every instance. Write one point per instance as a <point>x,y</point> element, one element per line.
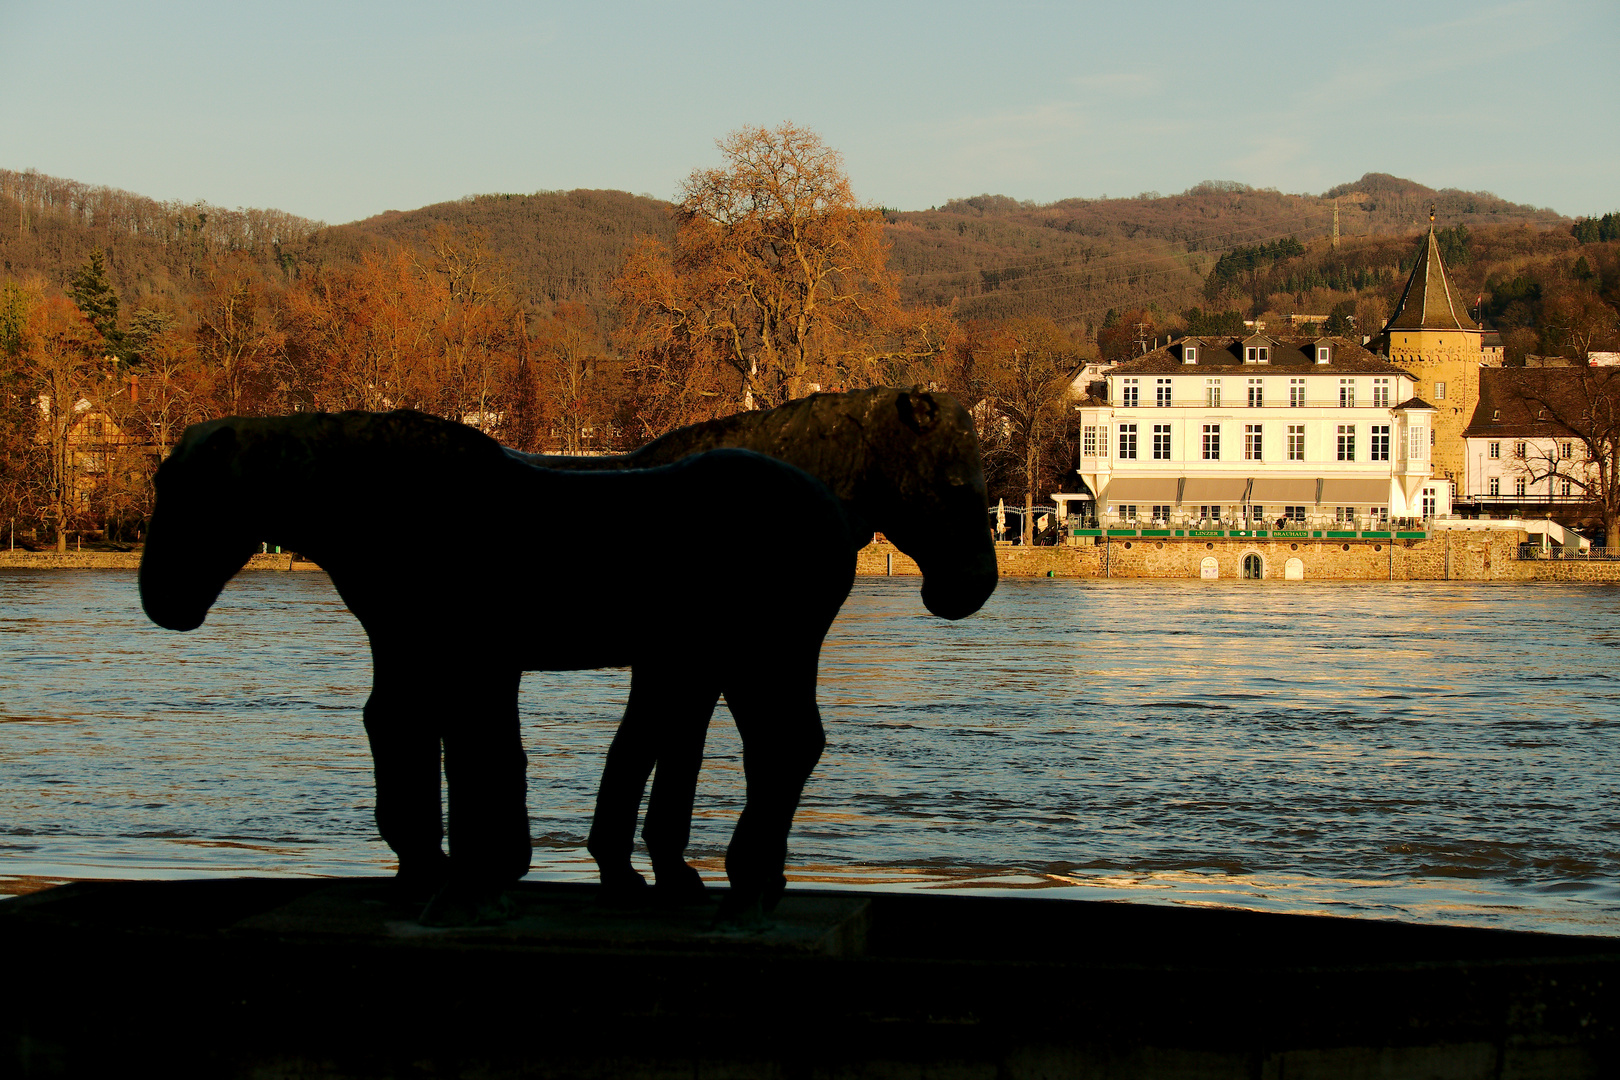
<point>1257,354</point>
<point>1324,354</point>
<point>1189,354</point>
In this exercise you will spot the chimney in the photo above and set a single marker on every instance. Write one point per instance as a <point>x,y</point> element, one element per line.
<point>134,388</point>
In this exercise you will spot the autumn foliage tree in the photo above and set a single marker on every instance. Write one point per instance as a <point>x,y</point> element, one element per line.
<point>1015,376</point>
<point>778,275</point>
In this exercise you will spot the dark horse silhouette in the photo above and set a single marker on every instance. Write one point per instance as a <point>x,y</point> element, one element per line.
<point>451,634</point>
<point>903,462</point>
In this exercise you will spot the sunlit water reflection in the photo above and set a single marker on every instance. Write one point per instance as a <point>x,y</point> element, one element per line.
<point>1432,752</point>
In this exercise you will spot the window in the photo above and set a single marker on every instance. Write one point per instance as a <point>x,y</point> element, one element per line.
<point>1212,393</point>
<point>1493,451</point>
<point>1252,356</point>
<point>1295,515</point>
<point>1252,443</point>
<point>1209,513</point>
<point>1518,487</point>
<point>1518,451</point>
<point>1161,512</point>
<point>1265,354</point>
<point>1128,393</point>
<point>1379,446</point>
<point>1161,393</point>
<point>1161,442</point>
<point>1344,515</point>
<point>1296,442</point>
<point>1566,449</point>
<point>1102,440</point>
<point>1323,354</point>
<point>1347,393</point>
<point>1439,391</point>
<point>1212,442</point>
<point>1347,442</point>
<point>1379,514</point>
<point>1563,488</point>
<point>1296,393</point>
<point>1257,393</point>
<point>1496,485</point>
<point>1127,442</point>
<point>1428,502</point>
<point>1189,354</point>
<point>1380,393</point>
<point>1088,441</point>
<point>1126,512</point>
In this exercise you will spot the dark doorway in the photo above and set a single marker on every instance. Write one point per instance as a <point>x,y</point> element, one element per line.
<point>1253,568</point>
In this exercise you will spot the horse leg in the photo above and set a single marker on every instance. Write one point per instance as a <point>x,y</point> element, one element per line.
<point>682,731</point>
<point>783,739</point>
<point>656,700</point>
<point>405,762</point>
<point>486,773</point>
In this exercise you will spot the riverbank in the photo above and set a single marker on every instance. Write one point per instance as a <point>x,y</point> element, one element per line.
<point>1447,556</point>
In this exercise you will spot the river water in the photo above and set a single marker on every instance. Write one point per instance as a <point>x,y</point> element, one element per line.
<point>1440,753</point>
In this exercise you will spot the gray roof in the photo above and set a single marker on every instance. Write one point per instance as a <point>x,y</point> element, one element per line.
<point>1294,355</point>
<point>1430,301</point>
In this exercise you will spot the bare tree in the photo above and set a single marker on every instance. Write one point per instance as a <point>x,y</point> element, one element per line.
<point>1578,411</point>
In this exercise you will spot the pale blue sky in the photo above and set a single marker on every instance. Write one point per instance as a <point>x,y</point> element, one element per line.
<point>341,110</point>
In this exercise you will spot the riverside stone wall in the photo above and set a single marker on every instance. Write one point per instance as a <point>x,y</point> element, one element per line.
<point>123,560</point>
<point>1446,556</point>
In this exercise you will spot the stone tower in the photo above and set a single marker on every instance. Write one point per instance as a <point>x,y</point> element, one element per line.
<point>1432,336</point>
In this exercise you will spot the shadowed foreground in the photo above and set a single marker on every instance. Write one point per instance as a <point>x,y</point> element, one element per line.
<point>331,978</point>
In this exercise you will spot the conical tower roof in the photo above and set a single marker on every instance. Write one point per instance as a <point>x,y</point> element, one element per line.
<point>1430,302</point>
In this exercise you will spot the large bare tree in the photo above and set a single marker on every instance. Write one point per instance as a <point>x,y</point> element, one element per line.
<point>778,273</point>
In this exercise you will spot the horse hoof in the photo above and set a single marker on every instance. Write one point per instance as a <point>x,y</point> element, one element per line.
<point>623,888</point>
<point>419,880</point>
<point>680,886</point>
<point>459,904</point>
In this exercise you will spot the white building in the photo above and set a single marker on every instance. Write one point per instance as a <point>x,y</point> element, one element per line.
<point>1243,432</point>
<point>1521,456</point>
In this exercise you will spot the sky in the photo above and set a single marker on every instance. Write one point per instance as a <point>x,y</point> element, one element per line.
<point>337,111</point>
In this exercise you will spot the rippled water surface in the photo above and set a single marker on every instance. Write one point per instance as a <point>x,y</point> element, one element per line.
<point>1432,752</point>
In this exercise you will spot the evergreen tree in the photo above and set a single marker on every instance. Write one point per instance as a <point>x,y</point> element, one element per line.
<point>93,294</point>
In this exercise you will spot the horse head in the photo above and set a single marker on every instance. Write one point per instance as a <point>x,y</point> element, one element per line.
<point>199,536</point>
<point>926,454</point>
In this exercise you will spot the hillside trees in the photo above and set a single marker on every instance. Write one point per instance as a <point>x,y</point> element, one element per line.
<point>60,348</point>
<point>1015,375</point>
<point>777,273</point>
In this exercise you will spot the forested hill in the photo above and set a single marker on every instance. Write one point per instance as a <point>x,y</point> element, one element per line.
<point>558,245</point>
<point>1076,259</point>
<point>993,256</point>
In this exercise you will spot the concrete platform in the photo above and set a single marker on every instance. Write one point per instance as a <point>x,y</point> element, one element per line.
<point>270,978</point>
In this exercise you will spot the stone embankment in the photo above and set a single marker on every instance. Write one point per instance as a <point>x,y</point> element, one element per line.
<point>125,560</point>
<point>1446,556</point>
<point>1453,556</point>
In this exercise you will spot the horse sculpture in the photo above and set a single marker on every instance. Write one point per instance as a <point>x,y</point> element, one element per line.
<point>903,462</point>
<point>451,635</point>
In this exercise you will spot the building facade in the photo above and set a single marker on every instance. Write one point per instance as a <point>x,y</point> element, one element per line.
<point>1259,430</point>
<point>1522,458</point>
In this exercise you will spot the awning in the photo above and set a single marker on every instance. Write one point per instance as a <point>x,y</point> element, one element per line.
<point>1355,492</point>
<point>1214,490</point>
<point>1141,489</point>
<point>1281,491</point>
